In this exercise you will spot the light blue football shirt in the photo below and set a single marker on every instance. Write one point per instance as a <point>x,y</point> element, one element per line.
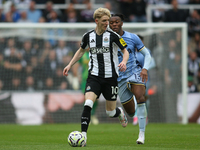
<point>133,42</point>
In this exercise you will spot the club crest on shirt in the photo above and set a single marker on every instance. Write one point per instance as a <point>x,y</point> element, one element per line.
<point>105,40</point>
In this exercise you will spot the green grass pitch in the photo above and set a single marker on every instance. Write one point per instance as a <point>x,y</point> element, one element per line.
<point>100,137</point>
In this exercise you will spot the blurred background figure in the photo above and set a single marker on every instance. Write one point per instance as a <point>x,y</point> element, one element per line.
<point>71,15</point>
<point>23,18</point>
<point>32,13</point>
<point>175,14</point>
<point>138,11</point>
<point>87,14</point>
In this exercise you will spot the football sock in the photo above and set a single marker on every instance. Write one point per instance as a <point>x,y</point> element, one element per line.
<point>85,135</point>
<point>114,113</point>
<point>118,112</point>
<point>142,115</point>
<point>85,118</point>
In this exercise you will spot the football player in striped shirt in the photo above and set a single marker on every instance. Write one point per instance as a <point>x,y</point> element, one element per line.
<point>133,80</point>
<point>103,68</point>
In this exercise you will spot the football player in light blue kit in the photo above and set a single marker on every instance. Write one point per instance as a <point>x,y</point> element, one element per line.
<point>132,81</point>
<point>140,59</point>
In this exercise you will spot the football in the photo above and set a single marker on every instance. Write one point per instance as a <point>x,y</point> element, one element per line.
<point>76,139</point>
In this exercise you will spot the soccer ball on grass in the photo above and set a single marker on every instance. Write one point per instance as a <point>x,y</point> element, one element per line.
<point>76,139</point>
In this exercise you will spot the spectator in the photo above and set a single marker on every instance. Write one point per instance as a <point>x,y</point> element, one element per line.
<point>108,5</point>
<point>45,51</point>
<point>51,64</point>
<point>16,84</point>
<point>62,50</point>
<point>61,82</point>
<point>138,13</point>
<point>37,71</point>
<point>194,42</point>
<point>193,22</point>
<point>12,66</point>
<point>46,13</point>
<point>49,84</point>
<point>32,14</point>
<point>53,17</point>
<point>23,18</point>
<point>26,52</point>
<point>172,50</point>
<point>192,88</point>
<point>30,84</point>
<point>14,13</point>
<point>125,8</point>
<point>172,80</point>
<point>193,64</point>
<point>2,16</point>
<point>8,17</point>
<point>158,14</point>
<point>10,43</point>
<point>71,15</point>
<point>87,14</point>
<point>175,14</point>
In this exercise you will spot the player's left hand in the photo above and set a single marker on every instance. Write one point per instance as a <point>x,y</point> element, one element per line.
<point>122,66</point>
<point>144,75</point>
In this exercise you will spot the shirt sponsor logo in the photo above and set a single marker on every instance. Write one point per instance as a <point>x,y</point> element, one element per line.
<point>101,50</point>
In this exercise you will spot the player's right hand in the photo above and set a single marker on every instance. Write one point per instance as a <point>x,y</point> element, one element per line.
<point>65,70</point>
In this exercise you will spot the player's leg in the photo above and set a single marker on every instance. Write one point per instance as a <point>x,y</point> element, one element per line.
<point>139,92</point>
<point>86,114</point>
<point>110,91</point>
<point>126,98</point>
<point>91,93</point>
<point>112,111</point>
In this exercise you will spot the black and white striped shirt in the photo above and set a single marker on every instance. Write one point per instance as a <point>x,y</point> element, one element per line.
<point>103,52</point>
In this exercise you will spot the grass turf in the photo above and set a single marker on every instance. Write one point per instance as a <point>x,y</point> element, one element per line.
<point>101,137</point>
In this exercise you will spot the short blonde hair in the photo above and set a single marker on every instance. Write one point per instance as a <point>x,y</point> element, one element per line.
<point>98,13</point>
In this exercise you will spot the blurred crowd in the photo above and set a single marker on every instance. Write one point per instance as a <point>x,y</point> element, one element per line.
<point>21,60</point>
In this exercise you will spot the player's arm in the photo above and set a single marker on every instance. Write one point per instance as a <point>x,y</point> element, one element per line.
<point>79,53</point>
<point>122,45</point>
<point>122,65</point>
<point>147,62</point>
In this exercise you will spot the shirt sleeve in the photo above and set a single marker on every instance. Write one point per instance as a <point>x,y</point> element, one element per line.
<point>120,42</point>
<point>84,42</point>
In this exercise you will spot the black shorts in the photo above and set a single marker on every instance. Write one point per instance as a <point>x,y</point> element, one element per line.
<point>106,86</point>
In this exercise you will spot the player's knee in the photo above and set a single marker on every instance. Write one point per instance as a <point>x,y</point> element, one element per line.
<point>140,99</point>
<point>111,113</point>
